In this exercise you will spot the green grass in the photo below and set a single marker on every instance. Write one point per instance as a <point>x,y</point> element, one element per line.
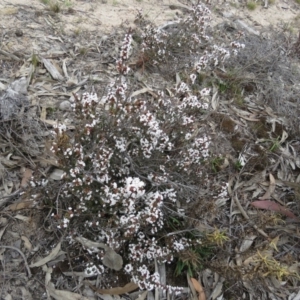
<point>238,165</point>
<point>252,5</point>
<point>35,60</point>
<point>216,164</point>
<point>77,31</point>
<point>55,6</point>
<point>191,260</point>
<point>68,4</point>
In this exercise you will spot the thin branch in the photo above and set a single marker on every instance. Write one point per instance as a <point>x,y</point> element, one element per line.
<point>23,256</point>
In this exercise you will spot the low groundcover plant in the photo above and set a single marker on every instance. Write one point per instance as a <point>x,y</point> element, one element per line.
<point>132,163</point>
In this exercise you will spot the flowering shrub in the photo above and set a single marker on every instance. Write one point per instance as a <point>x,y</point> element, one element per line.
<point>133,163</point>
<point>186,42</point>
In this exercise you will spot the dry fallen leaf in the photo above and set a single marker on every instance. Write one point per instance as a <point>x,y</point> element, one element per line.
<point>129,287</point>
<point>23,218</point>
<point>50,257</point>
<point>26,177</point>
<point>25,293</point>
<point>52,69</point>
<point>216,294</point>
<point>63,295</point>
<point>271,188</point>
<point>273,206</point>
<point>2,231</point>
<point>215,101</point>
<point>283,137</point>
<point>57,174</point>
<point>20,205</point>
<point>8,297</point>
<point>111,259</point>
<point>108,297</point>
<point>141,91</point>
<point>27,243</point>
<point>142,296</point>
<point>247,242</point>
<point>8,10</point>
<point>193,294</point>
<point>198,287</point>
<point>43,116</point>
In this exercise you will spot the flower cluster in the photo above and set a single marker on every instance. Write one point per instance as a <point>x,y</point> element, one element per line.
<point>124,55</point>
<point>169,43</point>
<point>131,162</point>
<point>110,170</point>
<point>163,43</point>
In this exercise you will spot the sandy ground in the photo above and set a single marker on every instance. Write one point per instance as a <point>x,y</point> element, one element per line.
<point>105,15</point>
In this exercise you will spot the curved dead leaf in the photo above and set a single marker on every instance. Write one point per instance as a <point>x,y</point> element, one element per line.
<point>142,296</point>
<point>23,218</point>
<point>247,242</point>
<point>215,101</point>
<point>129,287</point>
<point>2,231</point>
<point>57,174</point>
<point>273,206</point>
<point>63,295</point>
<point>52,69</point>
<point>90,244</point>
<point>198,287</point>
<point>112,259</point>
<point>193,295</point>
<point>50,257</point>
<point>283,137</point>
<point>20,205</point>
<point>216,294</point>
<point>26,177</point>
<point>27,243</point>
<point>271,188</point>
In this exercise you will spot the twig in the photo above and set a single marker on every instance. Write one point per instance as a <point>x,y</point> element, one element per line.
<point>9,55</point>
<point>243,212</point>
<point>238,203</point>
<point>5,199</point>
<point>23,256</point>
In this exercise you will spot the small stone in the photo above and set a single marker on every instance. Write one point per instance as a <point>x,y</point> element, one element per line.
<point>227,14</point>
<point>19,33</point>
<point>57,174</point>
<point>65,106</point>
<point>2,86</point>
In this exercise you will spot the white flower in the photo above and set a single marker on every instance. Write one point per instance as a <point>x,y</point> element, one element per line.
<point>128,268</point>
<point>134,187</point>
<point>193,78</point>
<point>188,136</point>
<point>205,92</point>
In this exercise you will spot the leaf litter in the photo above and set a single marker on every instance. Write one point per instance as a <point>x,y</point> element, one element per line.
<point>55,69</point>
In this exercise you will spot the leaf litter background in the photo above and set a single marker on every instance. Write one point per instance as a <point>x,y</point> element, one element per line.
<point>257,137</point>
